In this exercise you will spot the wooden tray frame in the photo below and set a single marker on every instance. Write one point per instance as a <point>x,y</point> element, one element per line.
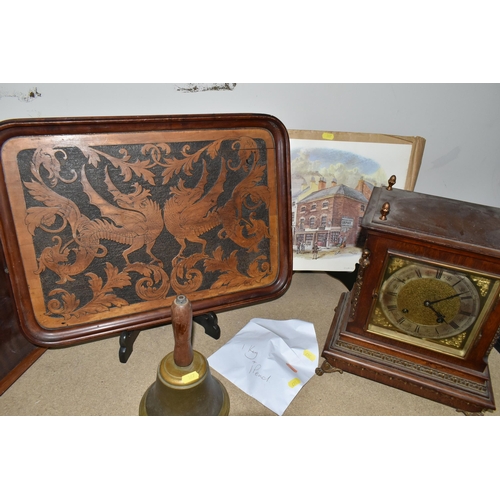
<point>103,327</point>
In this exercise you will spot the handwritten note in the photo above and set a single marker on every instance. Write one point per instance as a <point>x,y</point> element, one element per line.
<point>270,360</point>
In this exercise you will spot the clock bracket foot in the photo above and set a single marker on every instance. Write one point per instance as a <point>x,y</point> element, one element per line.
<point>327,368</point>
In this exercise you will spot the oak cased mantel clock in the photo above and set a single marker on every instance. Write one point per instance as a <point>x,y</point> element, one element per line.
<point>424,312</point>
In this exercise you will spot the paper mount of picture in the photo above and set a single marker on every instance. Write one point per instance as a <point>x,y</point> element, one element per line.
<point>333,175</point>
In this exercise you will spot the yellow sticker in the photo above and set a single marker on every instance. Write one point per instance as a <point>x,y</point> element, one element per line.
<point>309,355</point>
<point>328,135</point>
<point>190,377</point>
<point>295,381</point>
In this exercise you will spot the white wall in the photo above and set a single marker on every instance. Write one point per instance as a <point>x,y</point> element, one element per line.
<point>461,122</point>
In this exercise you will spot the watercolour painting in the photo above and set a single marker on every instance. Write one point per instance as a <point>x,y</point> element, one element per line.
<point>333,175</point>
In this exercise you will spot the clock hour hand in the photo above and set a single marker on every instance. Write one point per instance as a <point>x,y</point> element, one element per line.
<point>440,317</point>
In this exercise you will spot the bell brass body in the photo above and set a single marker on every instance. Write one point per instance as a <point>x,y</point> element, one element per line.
<point>184,384</point>
<point>186,391</point>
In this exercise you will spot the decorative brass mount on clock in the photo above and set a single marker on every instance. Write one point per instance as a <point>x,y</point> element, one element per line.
<point>424,313</point>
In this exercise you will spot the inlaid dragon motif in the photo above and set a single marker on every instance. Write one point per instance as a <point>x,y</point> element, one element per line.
<point>136,219</point>
<point>189,213</point>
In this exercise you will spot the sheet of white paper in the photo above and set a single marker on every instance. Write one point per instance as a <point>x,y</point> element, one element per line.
<point>270,360</point>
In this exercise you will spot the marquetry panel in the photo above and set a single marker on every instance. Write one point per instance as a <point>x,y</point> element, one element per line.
<point>105,227</point>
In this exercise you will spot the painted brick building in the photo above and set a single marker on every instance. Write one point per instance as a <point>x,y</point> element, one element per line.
<point>331,216</point>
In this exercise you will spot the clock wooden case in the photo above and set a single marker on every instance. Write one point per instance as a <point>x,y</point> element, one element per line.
<point>424,313</point>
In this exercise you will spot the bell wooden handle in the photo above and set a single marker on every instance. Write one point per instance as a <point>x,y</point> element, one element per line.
<point>182,324</point>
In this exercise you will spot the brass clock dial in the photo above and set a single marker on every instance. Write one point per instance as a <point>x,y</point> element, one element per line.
<point>438,307</point>
<point>429,302</point>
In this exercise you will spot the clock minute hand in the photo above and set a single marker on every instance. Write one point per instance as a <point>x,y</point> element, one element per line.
<point>429,303</point>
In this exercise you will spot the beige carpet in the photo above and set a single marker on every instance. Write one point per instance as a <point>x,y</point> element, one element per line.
<point>90,380</point>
